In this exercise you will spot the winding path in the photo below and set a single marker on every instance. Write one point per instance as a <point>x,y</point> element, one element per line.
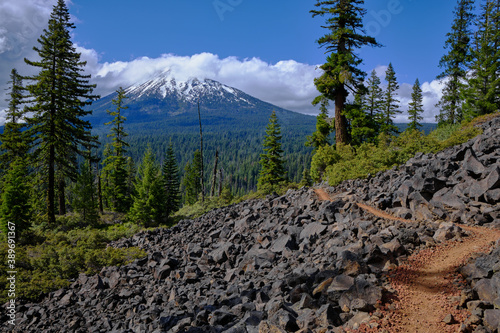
<point>428,286</point>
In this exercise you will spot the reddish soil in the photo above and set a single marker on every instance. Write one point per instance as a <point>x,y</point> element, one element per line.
<point>428,285</point>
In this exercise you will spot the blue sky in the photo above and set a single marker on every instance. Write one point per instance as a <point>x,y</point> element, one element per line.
<point>265,48</point>
<point>412,32</point>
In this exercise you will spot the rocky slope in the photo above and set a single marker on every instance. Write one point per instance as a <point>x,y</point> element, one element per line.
<point>292,263</point>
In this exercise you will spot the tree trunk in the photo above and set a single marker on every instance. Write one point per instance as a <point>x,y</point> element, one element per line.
<point>221,179</point>
<point>99,194</point>
<point>214,174</point>
<point>51,214</point>
<point>61,184</point>
<point>51,172</point>
<point>201,151</point>
<point>341,135</point>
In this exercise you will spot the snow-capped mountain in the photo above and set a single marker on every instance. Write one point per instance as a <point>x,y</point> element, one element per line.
<point>167,101</point>
<point>165,86</point>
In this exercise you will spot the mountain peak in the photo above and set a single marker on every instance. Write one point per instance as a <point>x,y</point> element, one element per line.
<point>165,85</point>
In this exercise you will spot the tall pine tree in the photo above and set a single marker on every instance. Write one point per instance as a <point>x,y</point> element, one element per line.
<point>14,142</point>
<point>455,64</point>
<point>416,107</point>
<point>15,206</point>
<point>391,103</point>
<point>58,94</point>
<point>116,162</point>
<point>341,70</point>
<point>483,94</point>
<point>191,181</point>
<point>272,172</point>
<point>171,182</point>
<point>374,100</point>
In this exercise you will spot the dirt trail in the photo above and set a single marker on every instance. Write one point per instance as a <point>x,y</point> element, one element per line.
<point>428,285</point>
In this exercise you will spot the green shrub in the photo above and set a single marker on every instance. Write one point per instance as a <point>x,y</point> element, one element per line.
<point>460,136</point>
<point>62,255</point>
<point>324,156</point>
<point>346,162</point>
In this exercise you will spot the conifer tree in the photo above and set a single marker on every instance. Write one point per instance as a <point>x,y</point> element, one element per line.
<point>306,179</point>
<point>416,107</point>
<point>106,179</point>
<point>374,100</point>
<point>116,162</point>
<point>148,202</point>
<point>323,128</point>
<point>455,63</point>
<point>191,181</point>
<point>272,172</point>
<point>15,204</point>
<point>483,94</point>
<point>341,70</point>
<point>131,173</point>
<point>58,94</point>
<point>391,103</point>
<point>171,182</point>
<point>85,198</point>
<point>14,142</point>
<point>362,127</point>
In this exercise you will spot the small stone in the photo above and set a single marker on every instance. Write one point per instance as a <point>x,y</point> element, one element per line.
<point>449,320</point>
<point>322,286</point>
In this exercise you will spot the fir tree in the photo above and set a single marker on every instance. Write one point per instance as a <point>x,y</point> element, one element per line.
<point>58,94</point>
<point>272,172</point>
<point>416,107</point>
<point>306,179</point>
<point>361,126</point>
<point>148,202</point>
<point>341,73</point>
<point>391,103</point>
<point>116,162</point>
<point>171,182</point>
<point>374,100</point>
<point>483,94</point>
<point>14,142</point>
<point>106,178</point>
<point>323,128</point>
<point>15,205</point>
<point>85,197</point>
<point>455,64</point>
<point>191,181</point>
<point>131,173</point>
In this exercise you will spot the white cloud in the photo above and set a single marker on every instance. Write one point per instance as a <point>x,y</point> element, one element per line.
<point>380,71</point>
<point>22,23</point>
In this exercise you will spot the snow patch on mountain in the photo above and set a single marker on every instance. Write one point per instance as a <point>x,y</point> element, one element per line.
<point>165,86</point>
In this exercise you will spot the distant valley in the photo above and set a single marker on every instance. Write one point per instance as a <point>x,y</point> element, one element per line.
<point>165,109</point>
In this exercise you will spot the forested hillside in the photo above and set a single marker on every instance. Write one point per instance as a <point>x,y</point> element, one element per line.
<point>239,151</point>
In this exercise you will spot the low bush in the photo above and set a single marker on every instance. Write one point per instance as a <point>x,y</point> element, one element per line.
<point>56,257</point>
<point>337,164</point>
